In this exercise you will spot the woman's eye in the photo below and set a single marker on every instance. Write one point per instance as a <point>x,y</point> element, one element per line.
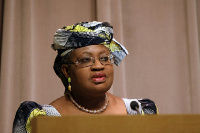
<point>104,58</point>
<point>85,60</point>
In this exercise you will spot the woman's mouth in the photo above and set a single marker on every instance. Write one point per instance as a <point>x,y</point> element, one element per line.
<point>98,77</point>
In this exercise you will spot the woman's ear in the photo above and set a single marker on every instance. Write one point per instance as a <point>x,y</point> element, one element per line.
<point>65,70</point>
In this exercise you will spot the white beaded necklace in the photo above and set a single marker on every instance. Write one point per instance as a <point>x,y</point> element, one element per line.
<point>87,110</point>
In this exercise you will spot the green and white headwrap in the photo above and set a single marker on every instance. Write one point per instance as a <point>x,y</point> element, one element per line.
<point>85,34</point>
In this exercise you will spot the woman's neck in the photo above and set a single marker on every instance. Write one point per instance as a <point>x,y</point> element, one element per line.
<point>89,102</point>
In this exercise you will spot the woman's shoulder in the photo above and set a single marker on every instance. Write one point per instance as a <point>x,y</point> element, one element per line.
<point>28,107</point>
<point>27,111</point>
<point>140,106</point>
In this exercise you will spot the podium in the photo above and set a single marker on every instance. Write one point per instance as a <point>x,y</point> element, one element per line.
<point>117,124</point>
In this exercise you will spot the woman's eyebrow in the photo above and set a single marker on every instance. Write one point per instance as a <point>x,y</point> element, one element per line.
<point>85,53</point>
<point>89,53</point>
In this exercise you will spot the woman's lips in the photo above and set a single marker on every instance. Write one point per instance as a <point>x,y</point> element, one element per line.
<point>98,77</point>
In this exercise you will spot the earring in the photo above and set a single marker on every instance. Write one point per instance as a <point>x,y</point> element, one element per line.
<point>69,86</point>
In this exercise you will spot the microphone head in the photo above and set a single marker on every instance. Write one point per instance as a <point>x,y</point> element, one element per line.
<point>134,105</point>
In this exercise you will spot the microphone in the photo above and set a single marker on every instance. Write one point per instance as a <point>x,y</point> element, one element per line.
<point>135,106</point>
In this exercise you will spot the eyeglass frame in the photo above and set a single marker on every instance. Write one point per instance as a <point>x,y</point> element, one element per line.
<point>77,62</point>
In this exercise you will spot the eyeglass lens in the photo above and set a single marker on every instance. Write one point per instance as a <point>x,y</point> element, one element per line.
<point>89,61</point>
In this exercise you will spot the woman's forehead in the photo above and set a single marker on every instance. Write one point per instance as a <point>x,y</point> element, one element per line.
<point>92,49</point>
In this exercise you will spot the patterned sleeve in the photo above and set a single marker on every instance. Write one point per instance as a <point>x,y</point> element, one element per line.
<point>25,113</point>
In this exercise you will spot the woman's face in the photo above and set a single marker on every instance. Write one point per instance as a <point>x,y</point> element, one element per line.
<point>92,80</point>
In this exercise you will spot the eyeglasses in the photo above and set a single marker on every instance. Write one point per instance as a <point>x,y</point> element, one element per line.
<point>87,61</point>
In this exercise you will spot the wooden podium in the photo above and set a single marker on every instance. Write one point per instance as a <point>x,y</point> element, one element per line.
<point>117,124</point>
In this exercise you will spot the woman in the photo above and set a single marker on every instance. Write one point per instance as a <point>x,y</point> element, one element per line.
<point>86,53</point>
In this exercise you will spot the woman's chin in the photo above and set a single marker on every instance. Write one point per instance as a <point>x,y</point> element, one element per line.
<point>101,88</point>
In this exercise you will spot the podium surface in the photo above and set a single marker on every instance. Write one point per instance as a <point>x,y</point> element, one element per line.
<point>117,124</point>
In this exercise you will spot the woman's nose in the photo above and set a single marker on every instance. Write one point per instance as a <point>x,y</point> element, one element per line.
<point>97,65</point>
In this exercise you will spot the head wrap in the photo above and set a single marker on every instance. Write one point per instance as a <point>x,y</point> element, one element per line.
<point>85,34</point>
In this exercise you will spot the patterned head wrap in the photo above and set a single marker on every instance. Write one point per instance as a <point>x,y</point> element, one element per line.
<point>85,34</point>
